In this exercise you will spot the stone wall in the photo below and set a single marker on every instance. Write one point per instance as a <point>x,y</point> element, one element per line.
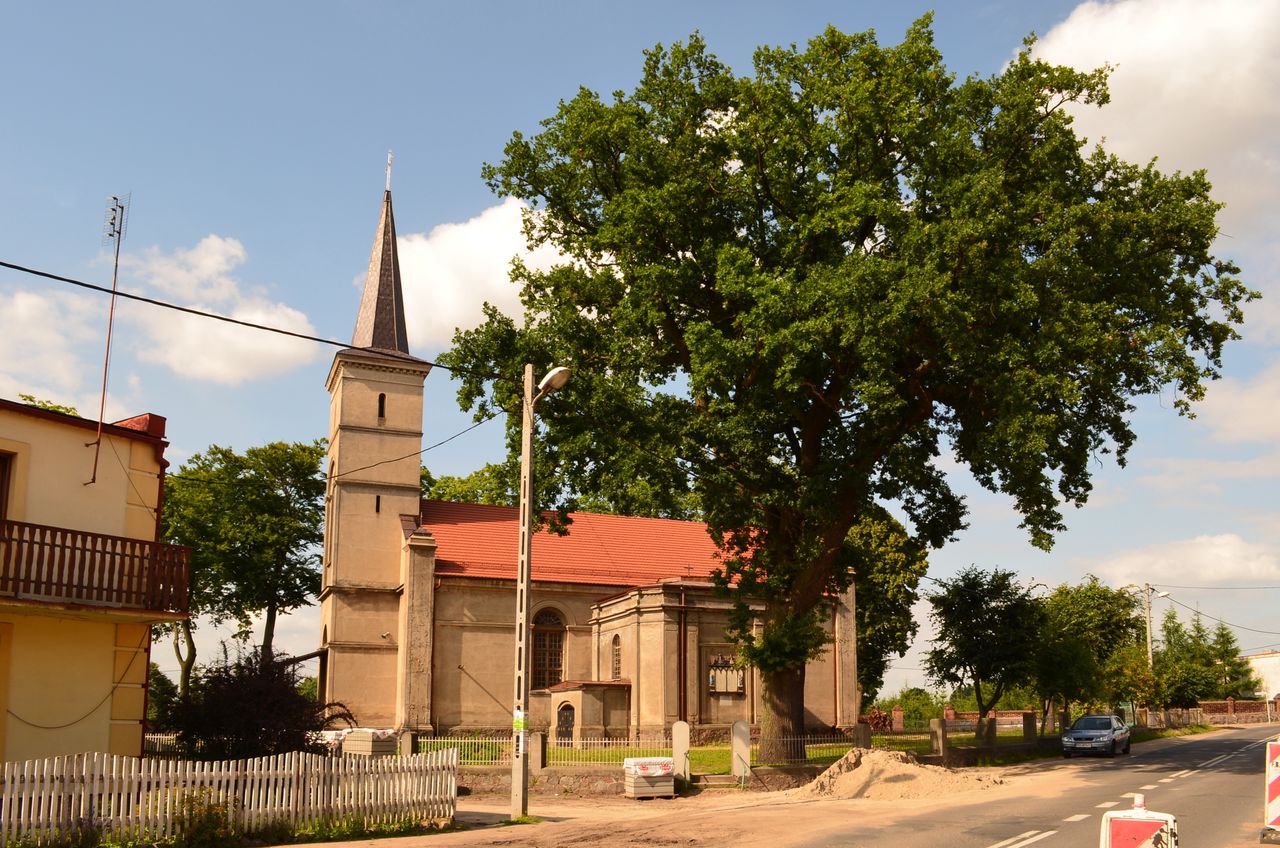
<point>551,781</point>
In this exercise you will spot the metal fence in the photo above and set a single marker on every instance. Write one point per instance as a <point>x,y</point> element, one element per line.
<point>494,751</point>
<point>799,750</point>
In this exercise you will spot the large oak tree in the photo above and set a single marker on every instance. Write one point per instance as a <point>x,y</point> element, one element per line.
<point>804,292</point>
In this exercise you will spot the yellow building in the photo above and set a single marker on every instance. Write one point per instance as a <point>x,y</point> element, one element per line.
<point>82,579</point>
<point>418,597</point>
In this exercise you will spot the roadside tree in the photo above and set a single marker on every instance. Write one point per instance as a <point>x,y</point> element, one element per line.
<point>986,627</point>
<point>796,292</point>
<point>254,522</point>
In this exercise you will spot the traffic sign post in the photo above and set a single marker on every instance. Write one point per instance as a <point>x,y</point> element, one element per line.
<point>1271,795</point>
<point>1138,828</point>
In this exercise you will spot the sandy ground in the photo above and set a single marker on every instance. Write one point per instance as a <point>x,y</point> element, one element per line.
<point>877,787</point>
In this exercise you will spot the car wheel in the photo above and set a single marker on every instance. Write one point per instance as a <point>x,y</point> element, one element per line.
<point>1111,752</point>
<point>1127,744</point>
<point>1066,755</point>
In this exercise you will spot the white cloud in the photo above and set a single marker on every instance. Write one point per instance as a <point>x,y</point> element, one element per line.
<point>450,272</point>
<point>1243,410</point>
<point>1219,560</point>
<point>203,348</point>
<point>41,343</point>
<point>1193,85</point>
<point>202,273</point>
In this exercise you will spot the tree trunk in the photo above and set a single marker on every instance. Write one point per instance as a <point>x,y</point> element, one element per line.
<point>782,716</point>
<point>268,635</point>
<point>182,636</point>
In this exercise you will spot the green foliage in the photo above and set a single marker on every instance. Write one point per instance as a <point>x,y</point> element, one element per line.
<point>1233,676</point>
<point>40,403</point>
<point>1193,666</point>
<point>162,701</point>
<point>792,292</point>
<point>887,565</point>
<point>986,627</point>
<point>493,484</point>
<point>250,708</point>
<point>309,688</point>
<point>254,522</point>
<point>918,705</point>
<point>1085,626</point>
<point>205,820</point>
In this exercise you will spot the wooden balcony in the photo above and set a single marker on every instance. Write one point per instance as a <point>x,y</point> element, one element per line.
<point>64,566</point>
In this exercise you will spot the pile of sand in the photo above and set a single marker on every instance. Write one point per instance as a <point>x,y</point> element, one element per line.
<point>890,776</point>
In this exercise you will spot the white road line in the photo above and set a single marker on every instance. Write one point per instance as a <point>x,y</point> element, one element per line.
<point>1129,795</point>
<point>1182,773</point>
<point>1020,840</point>
<point>1106,805</point>
<point>1166,780</point>
<point>1212,762</point>
<point>1077,817</point>
<point>1148,786</point>
<point>1013,839</point>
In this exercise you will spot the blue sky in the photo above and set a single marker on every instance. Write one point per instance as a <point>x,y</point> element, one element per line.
<point>252,137</point>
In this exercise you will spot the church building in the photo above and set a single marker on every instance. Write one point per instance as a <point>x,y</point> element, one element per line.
<point>418,602</point>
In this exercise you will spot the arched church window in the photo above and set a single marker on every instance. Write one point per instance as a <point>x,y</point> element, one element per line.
<point>382,406</point>
<point>548,649</point>
<point>616,654</point>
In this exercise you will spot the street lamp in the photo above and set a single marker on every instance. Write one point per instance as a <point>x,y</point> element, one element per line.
<point>554,379</point>
<point>1147,591</point>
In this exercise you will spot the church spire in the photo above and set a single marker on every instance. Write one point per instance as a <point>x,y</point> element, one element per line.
<point>380,324</point>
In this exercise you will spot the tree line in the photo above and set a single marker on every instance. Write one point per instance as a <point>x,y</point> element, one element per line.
<point>997,641</point>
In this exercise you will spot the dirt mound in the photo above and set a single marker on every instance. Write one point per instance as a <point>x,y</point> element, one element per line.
<point>889,776</point>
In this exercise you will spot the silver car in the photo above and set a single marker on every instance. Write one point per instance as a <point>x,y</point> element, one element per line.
<point>1096,734</point>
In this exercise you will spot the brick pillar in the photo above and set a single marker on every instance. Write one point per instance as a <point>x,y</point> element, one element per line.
<point>898,722</point>
<point>938,735</point>
<point>1029,725</point>
<point>1231,705</point>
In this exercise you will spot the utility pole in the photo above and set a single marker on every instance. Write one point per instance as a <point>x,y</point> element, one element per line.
<point>1147,591</point>
<point>554,379</point>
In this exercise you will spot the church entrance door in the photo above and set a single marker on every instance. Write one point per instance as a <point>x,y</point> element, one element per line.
<point>564,726</point>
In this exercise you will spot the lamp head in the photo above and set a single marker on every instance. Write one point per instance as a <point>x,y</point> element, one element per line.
<point>555,378</point>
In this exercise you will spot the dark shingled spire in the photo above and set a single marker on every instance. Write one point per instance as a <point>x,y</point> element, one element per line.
<point>380,324</point>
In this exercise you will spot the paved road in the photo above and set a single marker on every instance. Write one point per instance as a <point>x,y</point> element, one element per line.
<point>1212,783</point>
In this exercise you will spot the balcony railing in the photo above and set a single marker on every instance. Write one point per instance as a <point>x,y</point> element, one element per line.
<point>59,565</point>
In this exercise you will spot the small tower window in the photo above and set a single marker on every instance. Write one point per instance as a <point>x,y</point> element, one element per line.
<point>617,658</point>
<point>382,406</point>
<point>377,503</point>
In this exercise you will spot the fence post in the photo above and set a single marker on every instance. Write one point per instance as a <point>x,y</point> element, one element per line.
<point>949,712</point>
<point>537,750</point>
<point>861,735</point>
<point>741,748</point>
<point>1029,726</point>
<point>680,749</point>
<point>938,735</point>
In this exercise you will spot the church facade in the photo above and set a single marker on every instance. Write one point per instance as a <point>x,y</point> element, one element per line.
<point>418,603</point>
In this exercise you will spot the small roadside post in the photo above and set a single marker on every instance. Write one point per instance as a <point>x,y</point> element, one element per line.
<point>1271,795</point>
<point>1138,828</point>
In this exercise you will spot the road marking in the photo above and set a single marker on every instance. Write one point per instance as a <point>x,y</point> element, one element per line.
<point>1148,786</point>
<point>1212,762</point>
<point>1183,773</point>
<point>1013,839</point>
<point>1024,839</point>
<point>1077,817</point>
<point>1166,780</point>
<point>1106,805</point>
<point>1129,795</point>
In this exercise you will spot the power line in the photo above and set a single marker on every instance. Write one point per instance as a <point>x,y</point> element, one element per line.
<point>1248,588</point>
<point>1174,600</point>
<point>215,316</point>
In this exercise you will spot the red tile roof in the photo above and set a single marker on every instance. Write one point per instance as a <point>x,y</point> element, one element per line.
<point>474,540</point>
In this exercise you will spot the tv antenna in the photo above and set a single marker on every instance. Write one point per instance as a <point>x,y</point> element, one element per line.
<point>113,230</point>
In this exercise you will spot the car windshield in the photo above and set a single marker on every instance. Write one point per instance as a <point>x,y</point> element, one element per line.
<point>1092,723</point>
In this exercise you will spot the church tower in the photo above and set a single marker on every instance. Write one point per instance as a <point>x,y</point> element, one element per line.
<point>372,501</point>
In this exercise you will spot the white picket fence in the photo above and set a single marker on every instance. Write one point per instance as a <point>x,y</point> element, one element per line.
<point>125,797</point>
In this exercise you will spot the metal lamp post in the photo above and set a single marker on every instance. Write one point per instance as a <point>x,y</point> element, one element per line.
<point>554,379</point>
